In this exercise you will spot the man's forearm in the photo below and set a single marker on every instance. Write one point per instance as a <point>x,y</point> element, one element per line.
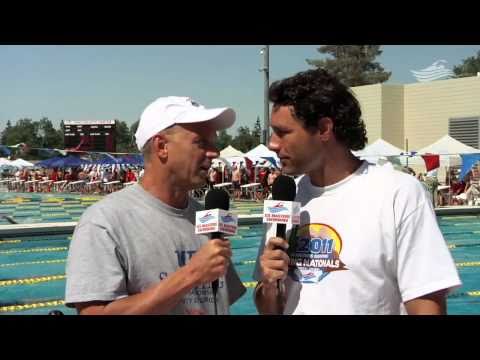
<point>268,299</point>
<point>158,299</point>
<point>429,304</point>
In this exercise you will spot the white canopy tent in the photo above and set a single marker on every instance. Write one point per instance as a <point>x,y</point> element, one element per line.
<point>230,151</point>
<point>20,163</point>
<point>379,149</point>
<point>449,150</point>
<point>5,162</point>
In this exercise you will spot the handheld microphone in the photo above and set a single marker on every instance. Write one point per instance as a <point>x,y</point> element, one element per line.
<point>217,199</point>
<point>215,220</point>
<point>282,210</point>
<point>283,188</point>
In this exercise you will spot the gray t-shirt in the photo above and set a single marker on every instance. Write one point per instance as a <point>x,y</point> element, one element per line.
<point>129,241</point>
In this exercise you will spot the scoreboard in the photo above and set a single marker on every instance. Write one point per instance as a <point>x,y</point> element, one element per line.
<point>90,135</point>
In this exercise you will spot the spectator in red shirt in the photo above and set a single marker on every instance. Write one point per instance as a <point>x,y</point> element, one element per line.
<point>131,176</point>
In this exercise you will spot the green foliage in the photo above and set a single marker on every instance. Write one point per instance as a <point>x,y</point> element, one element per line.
<point>469,66</point>
<point>354,65</point>
<point>223,139</point>
<point>245,140</point>
<point>43,135</point>
<point>124,137</point>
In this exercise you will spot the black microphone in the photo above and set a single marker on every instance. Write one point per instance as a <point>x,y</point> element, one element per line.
<point>216,199</point>
<point>283,189</point>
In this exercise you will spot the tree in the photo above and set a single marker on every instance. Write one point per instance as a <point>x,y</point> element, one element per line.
<point>50,137</point>
<point>61,133</point>
<point>223,139</point>
<point>5,132</point>
<point>133,130</point>
<point>123,136</point>
<point>354,65</point>
<point>244,141</point>
<point>24,131</point>
<point>469,67</point>
<point>257,132</point>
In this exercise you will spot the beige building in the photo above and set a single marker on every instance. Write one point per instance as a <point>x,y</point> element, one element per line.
<point>422,112</point>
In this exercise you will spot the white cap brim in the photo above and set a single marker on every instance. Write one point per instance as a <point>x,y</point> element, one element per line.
<point>222,118</point>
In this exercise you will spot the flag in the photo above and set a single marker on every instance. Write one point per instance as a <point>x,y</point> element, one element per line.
<point>468,162</point>
<point>431,161</point>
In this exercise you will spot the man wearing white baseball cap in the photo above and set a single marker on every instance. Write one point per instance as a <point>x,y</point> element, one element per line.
<point>135,251</point>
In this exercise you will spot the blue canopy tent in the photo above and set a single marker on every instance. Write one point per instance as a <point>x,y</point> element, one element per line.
<point>105,159</point>
<point>5,151</point>
<point>132,159</point>
<point>47,163</point>
<point>69,161</point>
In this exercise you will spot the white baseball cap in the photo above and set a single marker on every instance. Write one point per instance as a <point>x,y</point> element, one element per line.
<point>167,111</point>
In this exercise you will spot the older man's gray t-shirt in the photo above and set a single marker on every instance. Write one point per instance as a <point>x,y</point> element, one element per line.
<point>129,241</point>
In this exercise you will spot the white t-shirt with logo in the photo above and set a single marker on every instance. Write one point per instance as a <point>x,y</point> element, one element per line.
<point>365,245</point>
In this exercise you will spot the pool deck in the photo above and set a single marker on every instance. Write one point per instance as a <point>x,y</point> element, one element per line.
<point>14,230</point>
<point>457,210</point>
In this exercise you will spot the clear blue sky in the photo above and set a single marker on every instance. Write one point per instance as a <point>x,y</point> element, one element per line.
<point>117,82</point>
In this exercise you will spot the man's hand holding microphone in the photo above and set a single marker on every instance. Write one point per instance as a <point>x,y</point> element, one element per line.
<point>270,291</point>
<point>213,258</point>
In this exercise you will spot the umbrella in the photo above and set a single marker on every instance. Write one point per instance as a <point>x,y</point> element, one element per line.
<point>133,159</point>
<point>47,163</point>
<point>69,161</point>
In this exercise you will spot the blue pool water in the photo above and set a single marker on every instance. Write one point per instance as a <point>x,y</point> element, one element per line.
<point>35,266</point>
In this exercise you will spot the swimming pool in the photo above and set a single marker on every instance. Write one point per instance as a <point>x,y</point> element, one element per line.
<point>32,269</point>
<point>28,208</point>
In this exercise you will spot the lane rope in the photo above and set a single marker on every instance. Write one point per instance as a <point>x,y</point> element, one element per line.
<point>13,308</point>
<point>31,281</point>
<point>35,262</point>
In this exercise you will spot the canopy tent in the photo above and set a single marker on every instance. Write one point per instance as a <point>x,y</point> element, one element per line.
<point>5,162</point>
<point>230,151</point>
<point>268,161</point>
<point>236,160</point>
<point>106,159</point>
<point>261,153</point>
<point>379,149</point>
<point>47,163</point>
<point>20,163</point>
<point>62,162</point>
<point>449,150</point>
<point>68,161</point>
<point>228,161</point>
<point>131,159</point>
<point>4,150</point>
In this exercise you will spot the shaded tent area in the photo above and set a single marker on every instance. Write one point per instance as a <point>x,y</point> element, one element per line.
<point>448,148</point>
<point>93,159</point>
<point>260,156</point>
<point>62,162</point>
<point>263,156</point>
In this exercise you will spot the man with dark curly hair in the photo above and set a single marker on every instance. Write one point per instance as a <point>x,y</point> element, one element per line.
<point>368,240</point>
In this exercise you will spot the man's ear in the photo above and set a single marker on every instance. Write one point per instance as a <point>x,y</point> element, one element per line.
<point>161,146</point>
<point>325,128</point>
